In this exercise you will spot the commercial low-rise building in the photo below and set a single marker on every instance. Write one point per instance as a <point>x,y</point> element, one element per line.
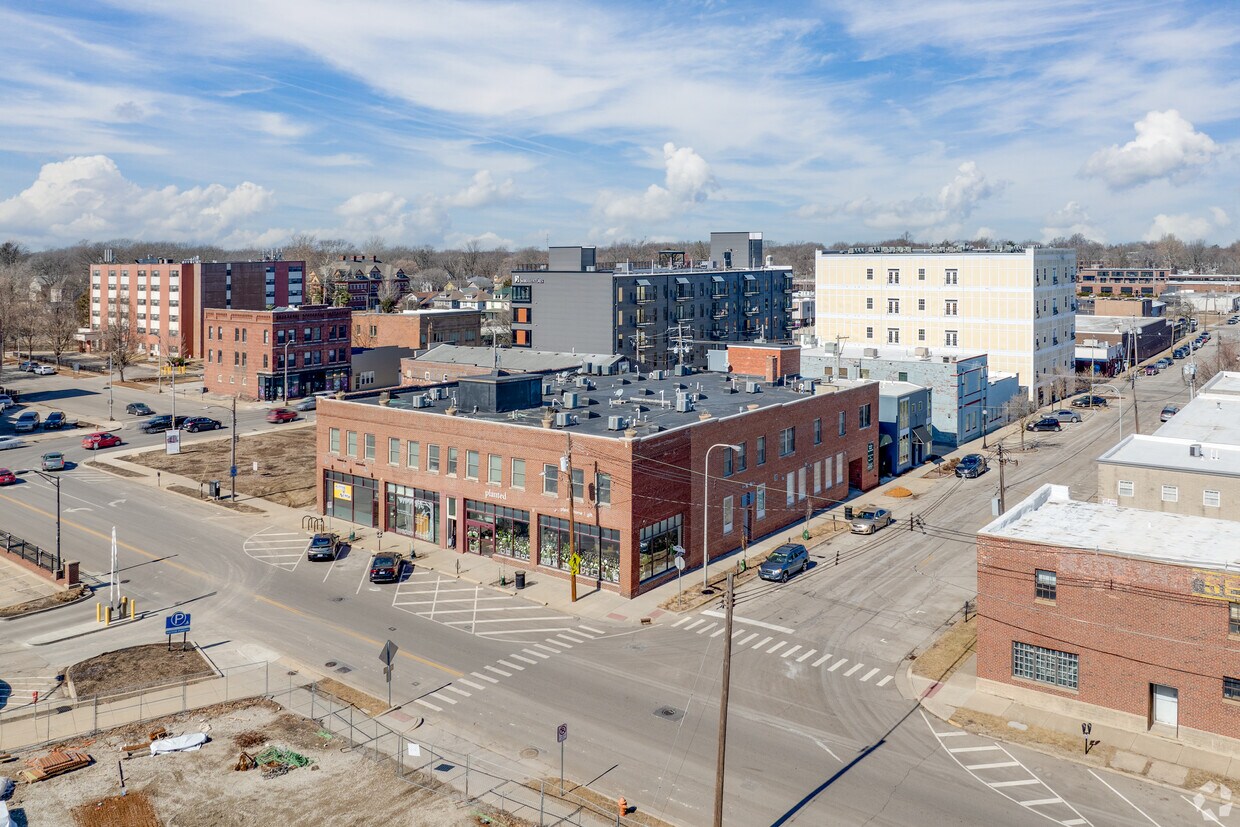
<point>447,363</point>
<point>417,329</point>
<point>1113,615</point>
<point>513,465</point>
<point>1140,337</point>
<point>905,439</point>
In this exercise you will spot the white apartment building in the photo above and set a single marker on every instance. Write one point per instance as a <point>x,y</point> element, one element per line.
<point>1016,305</point>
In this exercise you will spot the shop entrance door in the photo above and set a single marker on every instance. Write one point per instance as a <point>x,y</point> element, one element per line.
<point>480,537</point>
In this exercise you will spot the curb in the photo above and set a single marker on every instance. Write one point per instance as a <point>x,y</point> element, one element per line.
<point>98,627</point>
<point>87,592</point>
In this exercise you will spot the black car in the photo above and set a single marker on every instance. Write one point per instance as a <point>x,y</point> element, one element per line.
<point>385,568</point>
<point>201,423</point>
<point>1046,423</point>
<point>783,562</point>
<point>1089,402</point>
<point>971,465</point>
<point>138,409</point>
<point>55,421</point>
<point>163,422</point>
<point>324,546</point>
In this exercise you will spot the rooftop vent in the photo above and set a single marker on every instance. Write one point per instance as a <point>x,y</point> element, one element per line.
<point>617,423</point>
<point>1194,450</point>
<point>563,420</point>
<point>752,387</point>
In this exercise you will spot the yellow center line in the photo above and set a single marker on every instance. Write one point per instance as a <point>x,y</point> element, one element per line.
<point>204,575</point>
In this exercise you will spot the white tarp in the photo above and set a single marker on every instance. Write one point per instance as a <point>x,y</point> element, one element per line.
<point>181,743</point>
<point>6,820</point>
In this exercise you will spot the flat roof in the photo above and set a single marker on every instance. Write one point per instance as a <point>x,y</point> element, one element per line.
<point>518,359</point>
<point>1145,451</point>
<point>953,250</point>
<point>1050,515</point>
<point>1114,324</point>
<point>646,403</point>
<point>898,388</point>
<point>894,353</point>
<point>1213,417</point>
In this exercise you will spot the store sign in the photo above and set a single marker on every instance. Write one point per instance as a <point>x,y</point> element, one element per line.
<point>1216,585</point>
<point>342,491</point>
<point>495,495</point>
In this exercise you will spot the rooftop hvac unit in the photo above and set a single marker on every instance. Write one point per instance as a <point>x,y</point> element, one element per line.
<point>752,387</point>
<point>808,385</point>
<point>548,388</point>
<point>1194,450</point>
<point>439,393</point>
<point>681,370</point>
<point>563,420</point>
<point>870,352</point>
<point>582,381</point>
<point>617,423</point>
<point>683,403</point>
<point>421,401</point>
<point>921,352</point>
<point>571,400</point>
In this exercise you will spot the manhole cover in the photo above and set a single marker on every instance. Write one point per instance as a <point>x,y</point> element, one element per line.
<point>344,670</point>
<point>669,713</point>
<point>331,664</point>
<point>529,752</point>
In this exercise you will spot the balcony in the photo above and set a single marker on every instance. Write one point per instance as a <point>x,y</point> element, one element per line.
<point>788,285</point>
<point>719,333</point>
<point>752,310</point>
<point>751,287</point>
<point>685,313</point>
<point>718,288</point>
<point>645,319</point>
<point>720,312</point>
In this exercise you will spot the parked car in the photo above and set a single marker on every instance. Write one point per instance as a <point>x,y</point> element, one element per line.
<point>26,422</point>
<point>307,404</point>
<point>1152,370</point>
<point>1168,412</point>
<point>1180,352</point>
<point>1088,401</point>
<point>386,568</point>
<point>163,422</point>
<point>43,370</point>
<point>1233,320</point>
<point>281,415</point>
<point>7,442</point>
<point>6,401</point>
<point>870,520</point>
<point>55,421</point>
<point>7,477</point>
<point>1164,363</point>
<point>52,461</point>
<point>27,366</point>
<point>971,465</point>
<point>1066,416</point>
<point>1046,423</point>
<point>139,409</point>
<point>783,562</point>
<point>102,439</point>
<point>202,423</point>
<point>324,546</point>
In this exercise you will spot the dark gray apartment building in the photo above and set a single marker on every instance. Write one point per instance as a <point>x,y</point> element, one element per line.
<point>656,313</point>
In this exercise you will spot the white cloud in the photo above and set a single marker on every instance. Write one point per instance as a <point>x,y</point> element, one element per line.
<point>1069,221</point>
<point>392,216</point>
<point>277,125</point>
<point>485,241</point>
<point>483,191</point>
<point>340,159</point>
<point>1187,227</point>
<point>688,181</point>
<point>87,196</point>
<point>1166,146</point>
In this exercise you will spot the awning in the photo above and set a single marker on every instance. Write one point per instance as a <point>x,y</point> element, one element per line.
<point>681,280</point>
<point>716,278</point>
<point>922,434</point>
<point>749,277</point>
<point>643,283</point>
<point>884,440</point>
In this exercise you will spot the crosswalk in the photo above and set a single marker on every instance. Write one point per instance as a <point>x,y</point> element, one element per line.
<point>991,764</point>
<point>478,610</point>
<point>779,646</point>
<point>277,547</point>
<point>508,667</point>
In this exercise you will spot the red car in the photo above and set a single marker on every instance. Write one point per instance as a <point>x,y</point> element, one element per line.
<point>281,415</point>
<point>7,477</point>
<point>94,442</point>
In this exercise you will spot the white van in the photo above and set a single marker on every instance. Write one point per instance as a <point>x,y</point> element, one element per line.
<point>26,421</point>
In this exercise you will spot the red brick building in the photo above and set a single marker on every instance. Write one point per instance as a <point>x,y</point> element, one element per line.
<point>482,466</point>
<point>245,351</point>
<point>1119,616</point>
<point>770,362</point>
<point>417,329</point>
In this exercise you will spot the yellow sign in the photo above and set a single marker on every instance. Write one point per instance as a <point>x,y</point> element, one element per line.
<point>342,491</point>
<point>574,564</point>
<point>1216,585</point>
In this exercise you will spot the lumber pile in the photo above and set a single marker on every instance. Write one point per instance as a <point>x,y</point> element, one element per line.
<point>55,763</point>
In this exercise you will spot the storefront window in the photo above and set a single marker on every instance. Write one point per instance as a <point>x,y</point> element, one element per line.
<point>599,548</point>
<point>658,543</point>
<point>351,498</point>
<point>495,529</point>
<point>413,512</point>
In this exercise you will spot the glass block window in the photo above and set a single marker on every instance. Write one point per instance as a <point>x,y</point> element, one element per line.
<point>1045,665</point>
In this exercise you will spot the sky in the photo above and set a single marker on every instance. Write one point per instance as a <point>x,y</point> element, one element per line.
<point>532,123</point>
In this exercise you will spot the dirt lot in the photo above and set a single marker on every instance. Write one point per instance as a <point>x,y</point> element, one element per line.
<point>201,789</point>
<point>139,666</point>
<point>285,464</point>
<point>948,652</point>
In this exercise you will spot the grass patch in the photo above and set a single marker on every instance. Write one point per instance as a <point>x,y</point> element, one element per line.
<point>223,503</point>
<point>947,653</point>
<point>60,598</point>
<point>354,697</point>
<point>595,802</point>
<point>125,670</point>
<point>113,469</point>
<point>1048,740</point>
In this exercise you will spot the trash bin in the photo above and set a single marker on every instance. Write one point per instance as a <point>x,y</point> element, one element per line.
<point>213,489</point>
<point>848,512</point>
<point>520,579</point>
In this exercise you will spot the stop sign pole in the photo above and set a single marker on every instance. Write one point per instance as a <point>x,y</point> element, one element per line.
<point>561,735</point>
<point>388,655</point>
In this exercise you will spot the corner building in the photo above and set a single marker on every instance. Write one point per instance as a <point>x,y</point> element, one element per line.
<point>487,465</point>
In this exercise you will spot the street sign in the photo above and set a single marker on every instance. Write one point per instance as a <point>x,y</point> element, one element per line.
<point>176,623</point>
<point>232,470</point>
<point>172,442</point>
<point>574,564</point>
<point>680,562</point>
<point>388,654</point>
<point>561,733</point>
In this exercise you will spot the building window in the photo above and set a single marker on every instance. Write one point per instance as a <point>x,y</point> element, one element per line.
<point>210,333</point>
<point>266,335</point>
<point>893,335</point>
<point>863,416</point>
<point>333,440</point>
<point>1211,499</point>
<point>869,274</point>
<point>264,359</point>
<point>413,455</point>
<point>236,359</point>
<point>921,273</point>
<point>1233,626</point>
<point>951,307</point>
<point>1044,584</point>
<point>869,333</point>
<point>236,334</point>
<point>921,304</point>
<point>921,334</point>
<point>893,305</point>
<point>1171,493</point>
<point>727,463</point>
<point>518,473</point>
<point>471,465</point>
<point>350,443</point>
<point>951,338</point>
<point>762,450</point>
<point>1231,689</point>
<point>579,484</point>
<point>393,451</point>
<point>843,423</point>
<point>1125,488</point>
<point>742,456</point>
<point>495,466</point>
<point>551,479</point>
<point>658,544</point>
<point>893,276</point>
<point>432,458</point>
<point>760,501</point>
<point>787,441</point>
<point>602,489</point>
<point>818,431</point>
<point>243,332</point>
<point>370,446</point>
<point>869,303</point>
<point>453,455</point>
<point>1045,665</point>
<point>950,277</point>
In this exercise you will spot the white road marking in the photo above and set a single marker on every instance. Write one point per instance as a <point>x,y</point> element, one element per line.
<point>777,647</point>
<point>546,648</point>
<point>751,622</point>
<point>807,655</point>
<point>948,734</point>
<point>439,697</point>
<point>747,638</point>
<point>987,748</point>
<point>523,659</point>
<point>718,632</point>
<point>788,652</point>
<point>1041,802</point>
<point>820,661</point>
<point>883,682</point>
<point>494,620</point>
<point>681,620</point>
<point>577,637</point>
<point>484,677</point>
<point>555,642</point>
<point>498,671</point>
<point>694,623</point>
<point>761,643</point>
<point>508,665</point>
<point>428,704</point>
<point>536,653</point>
<point>870,674</point>
<point>1021,782</point>
<point>568,641</point>
<point>470,683</point>
<point>706,628</point>
<point>495,632</point>
<point>738,633</point>
<point>1122,798</point>
<point>459,691</point>
<point>592,629</point>
<point>837,664</point>
<point>849,673</point>
<point>991,766</point>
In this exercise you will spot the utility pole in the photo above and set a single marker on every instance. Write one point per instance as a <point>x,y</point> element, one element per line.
<point>723,703</point>
<point>233,464</point>
<point>110,417</point>
<point>573,563</point>
<point>839,352</point>
<point>1004,459</point>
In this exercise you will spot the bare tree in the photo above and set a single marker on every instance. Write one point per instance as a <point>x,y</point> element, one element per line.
<point>60,325</point>
<point>27,323</point>
<point>120,343</point>
<point>389,292</point>
<point>10,301</point>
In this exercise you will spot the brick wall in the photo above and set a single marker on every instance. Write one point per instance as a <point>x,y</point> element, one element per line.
<point>769,362</point>
<point>417,330</point>
<point>1132,622</point>
<point>414,372</point>
<point>240,346</point>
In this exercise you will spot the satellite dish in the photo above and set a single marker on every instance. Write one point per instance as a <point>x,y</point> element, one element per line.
<point>619,392</point>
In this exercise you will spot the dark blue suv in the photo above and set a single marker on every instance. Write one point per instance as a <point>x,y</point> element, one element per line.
<point>783,562</point>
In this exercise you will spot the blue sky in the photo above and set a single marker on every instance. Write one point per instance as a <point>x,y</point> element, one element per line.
<point>516,123</point>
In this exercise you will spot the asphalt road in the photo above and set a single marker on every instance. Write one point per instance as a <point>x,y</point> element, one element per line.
<point>812,739</point>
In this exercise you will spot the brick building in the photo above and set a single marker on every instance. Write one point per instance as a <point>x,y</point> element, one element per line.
<point>358,282</point>
<point>482,465</point>
<point>447,363</point>
<point>417,329</point>
<point>246,350</point>
<point>1082,612</point>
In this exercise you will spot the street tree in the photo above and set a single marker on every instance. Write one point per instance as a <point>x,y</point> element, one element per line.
<point>120,343</point>
<point>60,326</point>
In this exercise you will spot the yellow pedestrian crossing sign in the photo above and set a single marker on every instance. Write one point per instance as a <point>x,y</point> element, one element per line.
<point>574,564</point>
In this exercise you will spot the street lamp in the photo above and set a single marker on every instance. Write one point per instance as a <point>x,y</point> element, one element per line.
<point>52,478</point>
<point>232,470</point>
<point>706,510</point>
<point>287,342</point>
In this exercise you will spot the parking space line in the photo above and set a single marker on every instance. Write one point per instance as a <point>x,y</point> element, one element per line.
<point>508,665</point>
<point>837,664</point>
<point>789,652</point>
<point>498,671</point>
<point>870,674</point>
<point>484,677</point>
<point>820,661</point>
<point>807,655</point>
